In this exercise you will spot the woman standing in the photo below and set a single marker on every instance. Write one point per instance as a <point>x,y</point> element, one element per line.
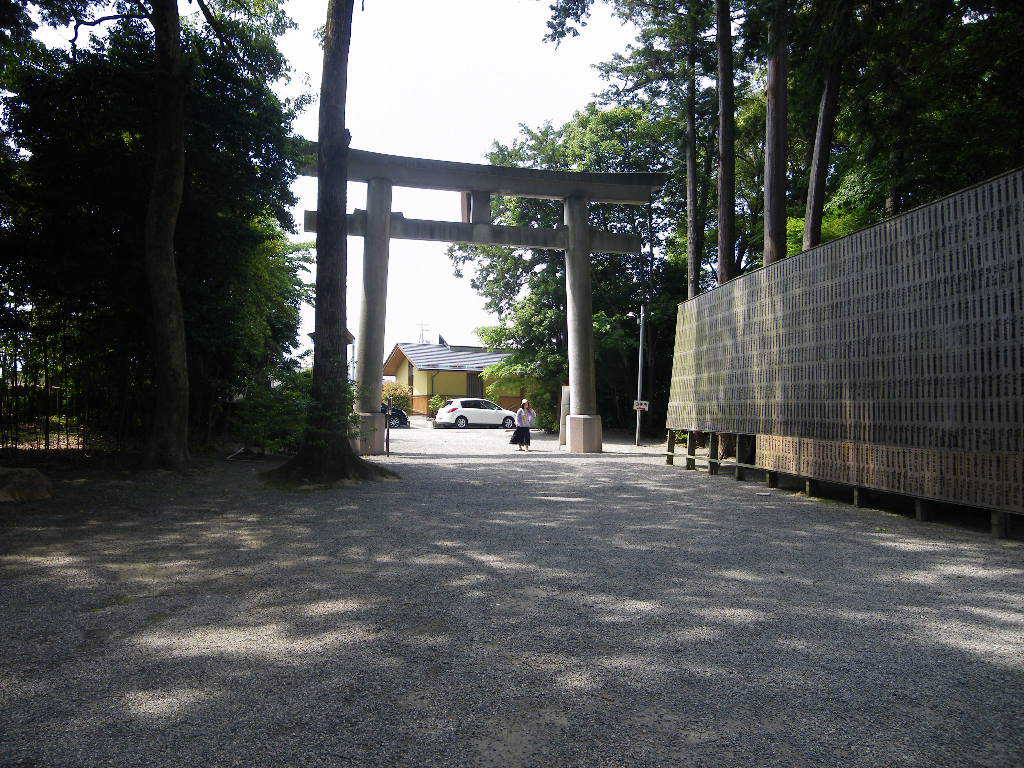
<point>524,420</point>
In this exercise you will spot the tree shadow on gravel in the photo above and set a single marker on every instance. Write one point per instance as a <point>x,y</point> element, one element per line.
<point>586,613</point>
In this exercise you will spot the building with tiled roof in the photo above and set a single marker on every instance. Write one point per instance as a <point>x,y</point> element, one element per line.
<point>445,369</point>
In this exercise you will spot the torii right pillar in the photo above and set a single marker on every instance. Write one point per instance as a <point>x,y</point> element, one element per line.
<point>583,425</point>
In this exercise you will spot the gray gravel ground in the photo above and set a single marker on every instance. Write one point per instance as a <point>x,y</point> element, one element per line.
<point>496,609</point>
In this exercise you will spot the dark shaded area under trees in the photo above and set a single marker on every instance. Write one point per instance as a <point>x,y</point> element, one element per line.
<point>78,337</point>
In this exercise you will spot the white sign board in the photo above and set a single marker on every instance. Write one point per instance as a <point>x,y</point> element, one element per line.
<point>641,405</point>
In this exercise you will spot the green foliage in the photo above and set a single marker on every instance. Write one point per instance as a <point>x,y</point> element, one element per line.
<point>833,226</point>
<point>526,288</point>
<point>272,417</point>
<point>400,394</point>
<point>925,90</point>
<point>76,174</point>
<point>435,404</point>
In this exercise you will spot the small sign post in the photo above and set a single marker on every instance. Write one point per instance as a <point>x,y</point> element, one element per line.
<point>641,405</point>
<point>640,374</point>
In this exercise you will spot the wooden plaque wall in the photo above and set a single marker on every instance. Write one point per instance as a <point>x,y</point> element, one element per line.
<point>891,359</point>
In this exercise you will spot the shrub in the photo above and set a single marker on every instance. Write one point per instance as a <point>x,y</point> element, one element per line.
<point>400,394</point>
<point>272,417</point>
<point>435,404</point>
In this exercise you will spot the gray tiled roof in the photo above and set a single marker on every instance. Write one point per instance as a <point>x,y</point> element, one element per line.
<point>438,357</point>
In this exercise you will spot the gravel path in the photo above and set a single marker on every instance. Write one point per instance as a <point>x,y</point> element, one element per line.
<point>495,609</point>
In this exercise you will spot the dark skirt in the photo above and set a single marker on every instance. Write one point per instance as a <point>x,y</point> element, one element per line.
<point>520,437</point>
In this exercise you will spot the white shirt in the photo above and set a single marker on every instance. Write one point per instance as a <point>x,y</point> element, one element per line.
<point>525,418</point>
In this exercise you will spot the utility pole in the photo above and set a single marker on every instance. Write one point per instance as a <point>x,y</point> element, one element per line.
<point>640,374</point>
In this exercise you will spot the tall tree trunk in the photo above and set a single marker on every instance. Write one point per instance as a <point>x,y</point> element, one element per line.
<point>168,440</point>
<point>693,241</point>
<point>727,266</point>
<point>775,139</point>
<point>326,455</point>
<point>819,163</point>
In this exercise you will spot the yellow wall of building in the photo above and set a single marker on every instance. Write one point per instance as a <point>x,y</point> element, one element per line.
<point>450,384</point>
<point>420,382</point>
<point>402,374</point>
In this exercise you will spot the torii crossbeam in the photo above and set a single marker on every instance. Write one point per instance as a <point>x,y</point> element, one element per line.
<point>477,184</point>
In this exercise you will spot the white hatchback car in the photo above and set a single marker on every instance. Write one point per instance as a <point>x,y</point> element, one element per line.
<point>472,412</point>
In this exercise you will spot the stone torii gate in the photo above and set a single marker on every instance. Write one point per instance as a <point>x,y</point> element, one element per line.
<point>477,183</point>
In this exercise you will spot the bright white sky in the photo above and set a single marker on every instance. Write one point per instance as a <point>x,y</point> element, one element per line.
<point>442,80</point>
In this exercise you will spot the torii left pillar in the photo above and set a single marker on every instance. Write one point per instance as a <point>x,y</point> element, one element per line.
<point>370,344</point>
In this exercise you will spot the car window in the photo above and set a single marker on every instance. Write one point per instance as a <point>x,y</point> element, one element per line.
<point>492,406</point>
<point>470,403</point>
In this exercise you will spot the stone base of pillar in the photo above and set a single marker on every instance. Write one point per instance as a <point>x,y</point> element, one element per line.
<point>583,434</point>
<point>371,434</point>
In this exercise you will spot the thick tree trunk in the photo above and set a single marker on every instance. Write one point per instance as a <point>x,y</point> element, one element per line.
<point>693,240</point>
<point>819,162</point>
<point>775,140</point>
<point>727,266</point>
<point>326,455</point>
<point>168,440</point>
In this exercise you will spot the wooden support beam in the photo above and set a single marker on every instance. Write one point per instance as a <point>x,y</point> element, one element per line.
<point>858,497</point>
<point>771,479</point>
<point>809,488</point>
<point>713,453</point>
<point>421,173</point>
<point>1000,524</point>
<point>670,455</point>
<point>485,234</point>
<point>922,510</point>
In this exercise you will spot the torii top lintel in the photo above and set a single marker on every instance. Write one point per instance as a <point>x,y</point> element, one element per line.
<point>622,188</point>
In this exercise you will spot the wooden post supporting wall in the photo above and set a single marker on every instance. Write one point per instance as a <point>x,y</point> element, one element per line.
<point>746,448</point>
<point>1000,525</point>
<point>771,479</point>
<point>691,450</point>
<point>670,457</point>
<point>713,453</point>
<point>858,497</point>
<point>809,487</point>
<point>922,510</point>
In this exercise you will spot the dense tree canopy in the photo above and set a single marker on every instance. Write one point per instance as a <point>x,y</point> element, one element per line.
<point>72,212</point>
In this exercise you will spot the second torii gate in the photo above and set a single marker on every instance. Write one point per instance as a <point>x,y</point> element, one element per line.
<point>477,183</point>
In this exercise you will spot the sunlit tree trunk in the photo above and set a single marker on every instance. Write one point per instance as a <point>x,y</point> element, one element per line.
<point>694,240</point>
<point>727,266</point>
<point>775,139</point>
<point>819,163</point>
<point>326,454</point>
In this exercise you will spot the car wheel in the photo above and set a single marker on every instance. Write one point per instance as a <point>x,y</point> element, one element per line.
<point>508,423</point>
<point>461,423</point>
<point>394,422</point>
